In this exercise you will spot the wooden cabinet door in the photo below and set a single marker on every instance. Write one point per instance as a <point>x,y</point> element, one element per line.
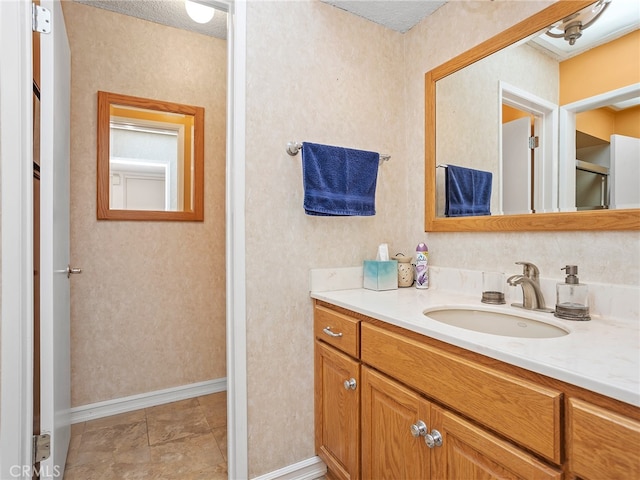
<point>337,412</point>
<point>470,452</point>
<point>389,450</point>
<point>602,444</point>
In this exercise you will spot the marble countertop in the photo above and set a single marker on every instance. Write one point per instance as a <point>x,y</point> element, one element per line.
<point>601,355</point>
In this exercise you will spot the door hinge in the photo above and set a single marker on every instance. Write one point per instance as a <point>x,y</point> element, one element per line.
<point>534,142</point>
<point>41,447</point>
<point>40,19</point>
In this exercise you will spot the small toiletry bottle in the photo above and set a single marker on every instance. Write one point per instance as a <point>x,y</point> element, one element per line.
<point>571,297</point>
<point>422,266</point>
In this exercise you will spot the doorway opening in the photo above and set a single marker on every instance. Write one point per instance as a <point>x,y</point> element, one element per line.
<point>539,175</point>
<point>611,167</point>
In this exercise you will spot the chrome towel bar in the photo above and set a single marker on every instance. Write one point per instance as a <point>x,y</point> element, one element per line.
<point>294,147</point>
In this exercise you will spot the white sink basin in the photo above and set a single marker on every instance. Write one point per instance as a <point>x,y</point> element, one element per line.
<point>495,323</point>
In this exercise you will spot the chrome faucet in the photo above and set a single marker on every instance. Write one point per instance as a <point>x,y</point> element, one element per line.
<point>532,297</point>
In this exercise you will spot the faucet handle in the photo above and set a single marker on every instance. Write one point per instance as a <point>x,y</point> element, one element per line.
<point>529,270</point>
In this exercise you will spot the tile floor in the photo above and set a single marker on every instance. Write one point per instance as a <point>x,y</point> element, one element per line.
<point>184,440</point>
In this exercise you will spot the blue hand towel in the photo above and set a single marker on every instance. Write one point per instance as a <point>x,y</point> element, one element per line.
<point>339,181</point>
<point>468,192</point>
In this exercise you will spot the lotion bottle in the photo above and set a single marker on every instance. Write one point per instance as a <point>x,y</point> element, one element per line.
<point>571,297</point>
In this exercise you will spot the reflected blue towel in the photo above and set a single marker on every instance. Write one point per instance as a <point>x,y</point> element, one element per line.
<point>339,181</point>
<point>468,192</point>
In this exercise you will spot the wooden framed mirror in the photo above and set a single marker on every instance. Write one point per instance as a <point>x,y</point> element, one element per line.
<point>620,219</point>
<point>150,159</point>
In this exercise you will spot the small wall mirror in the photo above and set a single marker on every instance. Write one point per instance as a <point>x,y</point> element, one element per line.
<point>510,107</point>
<point>150,159</point>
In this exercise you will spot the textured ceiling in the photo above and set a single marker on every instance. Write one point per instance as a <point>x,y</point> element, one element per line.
<point>399,15</point>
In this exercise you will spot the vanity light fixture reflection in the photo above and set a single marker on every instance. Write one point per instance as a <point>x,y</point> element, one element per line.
<point>572,26</point>
<point>150,159</point>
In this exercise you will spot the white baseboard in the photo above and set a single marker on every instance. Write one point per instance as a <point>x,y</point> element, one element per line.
<point>309,469</point>
<point>144,400</point>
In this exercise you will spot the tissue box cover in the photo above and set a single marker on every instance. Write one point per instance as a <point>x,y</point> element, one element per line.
<point>380,275</point>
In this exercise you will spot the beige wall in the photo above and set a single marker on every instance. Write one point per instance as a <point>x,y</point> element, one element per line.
<point>148,311</point>
<point>316,73</point>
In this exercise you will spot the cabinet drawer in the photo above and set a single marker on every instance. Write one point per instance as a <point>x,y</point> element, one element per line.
<point>341,331</point>
<point>602,444</point>
<point>525,412</point>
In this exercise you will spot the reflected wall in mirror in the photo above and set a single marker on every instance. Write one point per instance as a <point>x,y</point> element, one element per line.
<point>469,101</point>
<point>150,159</point>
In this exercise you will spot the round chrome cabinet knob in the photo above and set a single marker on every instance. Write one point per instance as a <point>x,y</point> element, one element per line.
<point>419,429</point>
<point>434,439</point>
<point>350,384</point>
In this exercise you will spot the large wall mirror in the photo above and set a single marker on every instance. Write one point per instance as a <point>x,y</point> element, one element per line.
<point>561,149</point>
<point>150,159</point>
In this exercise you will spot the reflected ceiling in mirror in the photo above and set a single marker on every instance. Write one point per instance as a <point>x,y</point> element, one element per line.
<point>150,159</point>
<point>492,77</point>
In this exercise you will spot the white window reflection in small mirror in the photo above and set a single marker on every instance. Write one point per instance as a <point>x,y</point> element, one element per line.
<point>150,160</point>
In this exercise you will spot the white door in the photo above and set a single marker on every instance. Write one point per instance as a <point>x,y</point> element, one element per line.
<point>16,180</point>
<point>54,240</point>
<point>625,172</point>
<point>516,166</point>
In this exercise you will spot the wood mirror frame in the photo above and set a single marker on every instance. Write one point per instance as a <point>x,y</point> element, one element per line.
<point>105,101</point>
<point>628,219</point>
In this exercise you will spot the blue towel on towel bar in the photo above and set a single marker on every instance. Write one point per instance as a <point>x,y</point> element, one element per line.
<point>468,192</point>
<point>339,181</point>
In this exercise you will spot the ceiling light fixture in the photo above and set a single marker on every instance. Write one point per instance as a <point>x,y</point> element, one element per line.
<point>571,27</point>
<point>198,12</point>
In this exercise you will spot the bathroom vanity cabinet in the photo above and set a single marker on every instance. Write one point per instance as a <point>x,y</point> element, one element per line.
<point>421,408</point>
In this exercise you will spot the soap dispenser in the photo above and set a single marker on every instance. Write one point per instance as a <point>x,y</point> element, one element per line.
<point>571,297</point>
